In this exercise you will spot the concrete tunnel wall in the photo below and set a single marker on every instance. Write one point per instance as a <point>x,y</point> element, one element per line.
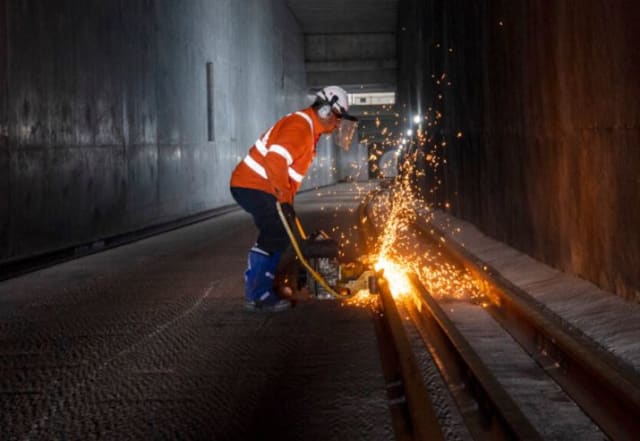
<point>545,95</point>
<point>103,111</point>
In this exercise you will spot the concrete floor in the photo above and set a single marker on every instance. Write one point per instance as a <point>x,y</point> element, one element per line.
<point>150,341</point>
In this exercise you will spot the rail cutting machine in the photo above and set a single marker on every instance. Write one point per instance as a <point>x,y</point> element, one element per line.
<point>318,254</point>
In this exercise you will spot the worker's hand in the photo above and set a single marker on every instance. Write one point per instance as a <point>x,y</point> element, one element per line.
<point>284,197</point>
<point>280,195</point>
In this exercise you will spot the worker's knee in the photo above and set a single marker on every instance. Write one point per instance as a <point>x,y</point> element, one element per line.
<point>273,239</point>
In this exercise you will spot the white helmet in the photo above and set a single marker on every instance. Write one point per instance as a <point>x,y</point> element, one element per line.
<point>332,99</point>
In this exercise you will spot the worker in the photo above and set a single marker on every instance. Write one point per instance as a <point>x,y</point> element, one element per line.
<point>272,172</point>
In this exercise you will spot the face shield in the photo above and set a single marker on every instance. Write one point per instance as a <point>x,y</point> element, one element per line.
<point>343,133</point>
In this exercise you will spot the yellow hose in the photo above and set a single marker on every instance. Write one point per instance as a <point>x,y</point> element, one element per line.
<point>300,229</point>
<point>294,242</point>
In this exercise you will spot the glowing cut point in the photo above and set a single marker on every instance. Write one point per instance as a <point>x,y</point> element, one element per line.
<point>396,276</point>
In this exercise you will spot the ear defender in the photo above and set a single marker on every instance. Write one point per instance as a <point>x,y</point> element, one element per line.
<point>325,109</point>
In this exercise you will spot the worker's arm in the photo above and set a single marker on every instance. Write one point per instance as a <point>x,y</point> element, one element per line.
<point>278,175</point>
<point>285,146</point>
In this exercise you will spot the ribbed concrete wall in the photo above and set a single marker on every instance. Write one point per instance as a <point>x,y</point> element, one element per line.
<point>103,111</point>
<point>546,96</point>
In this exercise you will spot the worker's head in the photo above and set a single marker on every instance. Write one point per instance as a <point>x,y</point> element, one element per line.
<point>331,106</point>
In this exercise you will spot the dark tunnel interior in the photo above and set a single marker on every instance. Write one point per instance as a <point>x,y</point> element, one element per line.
<point>515,124</point>
<point>104,123</point>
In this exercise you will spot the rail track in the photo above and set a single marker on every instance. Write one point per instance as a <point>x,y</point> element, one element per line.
<point>570,388</point>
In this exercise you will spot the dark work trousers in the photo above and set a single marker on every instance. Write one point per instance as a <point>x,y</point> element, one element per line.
<point>262,206</point>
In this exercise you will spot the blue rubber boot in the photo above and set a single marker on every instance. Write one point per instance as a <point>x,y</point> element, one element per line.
<point>259,277</point>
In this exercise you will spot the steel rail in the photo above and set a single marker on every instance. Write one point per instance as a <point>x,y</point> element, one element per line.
<point>412,411</point>
<point>486,407</point>
<point>396,397</point>
<point>605,388</point>
<point>424,423</point>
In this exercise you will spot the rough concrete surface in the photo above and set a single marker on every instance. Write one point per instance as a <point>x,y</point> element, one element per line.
<point>553,414</point>
<point>150,341</point>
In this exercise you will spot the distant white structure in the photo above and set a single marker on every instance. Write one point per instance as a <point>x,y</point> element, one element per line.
<point>372,98</point>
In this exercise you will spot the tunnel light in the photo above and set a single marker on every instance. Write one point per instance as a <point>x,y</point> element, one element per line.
<point>416,119</point>
<point>409,132</point>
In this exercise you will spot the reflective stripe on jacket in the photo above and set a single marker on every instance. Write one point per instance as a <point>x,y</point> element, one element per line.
<point>279,159</point>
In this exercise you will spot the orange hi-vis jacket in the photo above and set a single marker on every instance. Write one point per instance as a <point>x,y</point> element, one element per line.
<point>279,160</point>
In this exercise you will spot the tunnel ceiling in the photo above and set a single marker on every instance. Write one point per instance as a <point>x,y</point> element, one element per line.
<point>339,16</point>
<point>349,43</point>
